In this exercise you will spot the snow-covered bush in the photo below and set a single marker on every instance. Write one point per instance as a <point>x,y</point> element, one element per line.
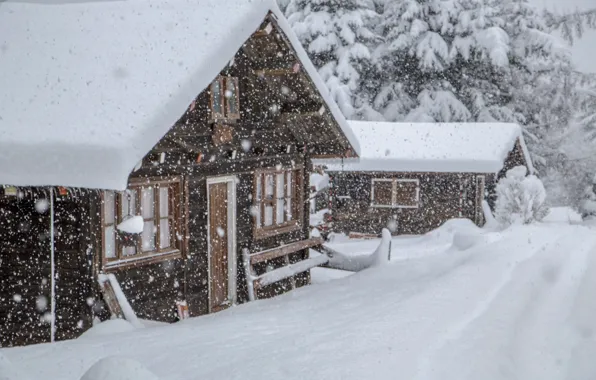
<point>520,198</point>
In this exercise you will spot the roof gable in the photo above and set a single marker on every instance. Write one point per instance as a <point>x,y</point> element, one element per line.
<point>432,147</point>
<point>93,86</point>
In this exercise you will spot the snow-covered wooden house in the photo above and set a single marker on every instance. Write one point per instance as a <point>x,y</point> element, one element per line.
<point>415,176</point>
<point>152,140</point>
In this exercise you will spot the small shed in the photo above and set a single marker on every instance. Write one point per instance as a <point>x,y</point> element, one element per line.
<point>415,176</point>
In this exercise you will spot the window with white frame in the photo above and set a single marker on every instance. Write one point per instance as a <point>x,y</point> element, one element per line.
<point>277,200</point>
<point>158,203</point>
<point>395,192</point>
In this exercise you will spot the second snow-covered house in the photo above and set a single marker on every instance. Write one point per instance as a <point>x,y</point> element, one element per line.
<point>152,141</point>
<point>415,176</point>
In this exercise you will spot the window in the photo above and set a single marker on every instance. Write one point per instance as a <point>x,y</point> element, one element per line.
<point>278,201</point>
<point>225,102</point>
<point>395,193</point>
<point>157,203</point>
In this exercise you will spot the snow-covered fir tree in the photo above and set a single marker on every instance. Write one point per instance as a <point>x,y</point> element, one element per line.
<point>338,35</point>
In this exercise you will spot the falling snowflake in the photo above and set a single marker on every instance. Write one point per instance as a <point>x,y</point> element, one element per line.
<point>220,232</point>
<point>41,205</point>
<point>41,303</point>
<point>17,298</point>
<point>246,145</point>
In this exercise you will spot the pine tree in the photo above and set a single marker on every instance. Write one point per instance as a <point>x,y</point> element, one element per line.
<point>338,37</point>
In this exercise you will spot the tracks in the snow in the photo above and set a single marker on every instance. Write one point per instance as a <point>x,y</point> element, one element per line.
<point>513,332</point>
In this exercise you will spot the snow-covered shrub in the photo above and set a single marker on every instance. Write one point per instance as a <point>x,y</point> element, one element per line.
<point>588,205</point>
<point>520,198</point>
<point>118,368</point>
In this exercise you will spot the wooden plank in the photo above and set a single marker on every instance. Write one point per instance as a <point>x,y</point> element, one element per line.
<point>289,271</point>
<point>283,250</point>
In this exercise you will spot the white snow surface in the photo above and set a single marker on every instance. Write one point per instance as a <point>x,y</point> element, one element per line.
<point>88,88</point>
<point>519,305</point>
<point>118,368</point>
<point>431,147</point>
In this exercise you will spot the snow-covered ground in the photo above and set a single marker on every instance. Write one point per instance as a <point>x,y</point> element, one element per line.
<point>518,304</point>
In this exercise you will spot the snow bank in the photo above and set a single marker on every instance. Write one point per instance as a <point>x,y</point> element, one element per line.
<point>108,79</point>
<point>110,327</point>
<point>118,368</point>
<point>133,225</point>
<point>562,215</point>
<point>8,371</point>
<point>436,147</point>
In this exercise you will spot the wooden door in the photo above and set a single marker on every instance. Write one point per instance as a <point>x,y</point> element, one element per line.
<point>480,189</point>
<point>219,246</point>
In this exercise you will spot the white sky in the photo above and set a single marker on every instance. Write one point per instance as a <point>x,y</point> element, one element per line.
<point>584,50</point>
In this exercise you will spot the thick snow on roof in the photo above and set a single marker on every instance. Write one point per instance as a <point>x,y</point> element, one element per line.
<point>426,147</point>
<point>88,88</point>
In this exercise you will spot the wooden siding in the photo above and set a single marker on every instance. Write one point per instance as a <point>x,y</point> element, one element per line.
<point>439,200</point>
<point>25,269</point>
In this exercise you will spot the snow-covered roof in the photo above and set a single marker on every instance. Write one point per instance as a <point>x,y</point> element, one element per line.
<point>431,147</point>
<point>87,88</point>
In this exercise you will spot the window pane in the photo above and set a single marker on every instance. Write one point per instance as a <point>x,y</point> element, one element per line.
<point>259,189</point>
<point>216,97</point>
<point>268,215</point>
<point>164,199</point>
<point>110,243</point>
<point>147,205</point>
<point>129,251</point>
<point>128,206</point>
<point>148,242</point>
<point>289,195</point>
<point>407,194</point>
<point>279,198</point>
<point>231,96</point>
<point>108,206</point>
<point>269,186</point>
<point>382,191</point>
<point>164,233</point>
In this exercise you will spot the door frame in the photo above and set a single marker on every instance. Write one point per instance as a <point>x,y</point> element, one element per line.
<point>480,197</point>
<point>232,259</point>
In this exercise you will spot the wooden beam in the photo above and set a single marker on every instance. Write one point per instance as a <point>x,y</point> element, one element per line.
<point>283,250</point>
<point>275,72</point>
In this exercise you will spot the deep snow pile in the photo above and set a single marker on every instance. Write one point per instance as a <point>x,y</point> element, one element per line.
<point>516,305</point>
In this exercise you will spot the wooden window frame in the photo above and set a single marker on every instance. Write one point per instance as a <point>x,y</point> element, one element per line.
<point>175,216</point>
<point>297,198</point>
<point>226,114</point>
<point>394,182</point>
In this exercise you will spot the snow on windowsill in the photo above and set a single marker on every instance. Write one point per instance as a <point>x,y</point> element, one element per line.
<point>133,225</point>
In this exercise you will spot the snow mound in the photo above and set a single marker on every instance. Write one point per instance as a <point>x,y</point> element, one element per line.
<point>8,371</point>
<point>118,368</point>
<point>464,240</point>
<point>111,327</point>
<point>562,215</point>
<point>133,225</point>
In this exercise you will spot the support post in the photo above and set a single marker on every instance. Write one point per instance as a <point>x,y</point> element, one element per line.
<point>52,270</point>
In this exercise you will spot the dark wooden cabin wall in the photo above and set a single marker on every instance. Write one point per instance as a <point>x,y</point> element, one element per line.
<point>25,269</point>
<point>516,158</point>
<point>439,201</point>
